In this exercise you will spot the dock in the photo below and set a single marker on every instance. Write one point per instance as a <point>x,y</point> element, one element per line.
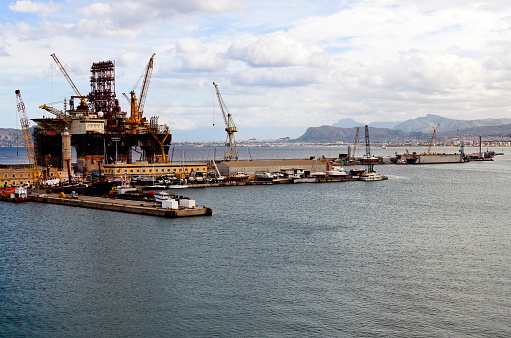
<point>122,205</point>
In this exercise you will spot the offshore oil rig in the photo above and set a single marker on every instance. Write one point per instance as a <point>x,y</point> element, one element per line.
<point>97,128</point>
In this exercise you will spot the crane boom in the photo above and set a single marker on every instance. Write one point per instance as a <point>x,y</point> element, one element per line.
<point>368,143</point>
<point>231,152</point>
<point>432,138</point>
<point>145,86</point>
<point>29,143</point>
<point>356,143</point>
<point>59,113</point>
<point>66,75</point>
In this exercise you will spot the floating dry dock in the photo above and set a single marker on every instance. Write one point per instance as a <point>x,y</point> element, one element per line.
<point>122,205</point>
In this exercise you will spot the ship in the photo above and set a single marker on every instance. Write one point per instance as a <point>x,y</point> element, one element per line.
<point>96,126</point>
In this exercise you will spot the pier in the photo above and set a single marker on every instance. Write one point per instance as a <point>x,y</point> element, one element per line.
<point>122,205</point>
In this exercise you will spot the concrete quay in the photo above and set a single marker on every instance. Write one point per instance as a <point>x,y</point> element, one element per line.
<point>122,205</point>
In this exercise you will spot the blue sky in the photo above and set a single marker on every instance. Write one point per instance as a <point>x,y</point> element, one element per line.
<point>281,66</point>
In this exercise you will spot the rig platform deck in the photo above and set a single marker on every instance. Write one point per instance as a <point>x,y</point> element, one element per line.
<point>122,205</point>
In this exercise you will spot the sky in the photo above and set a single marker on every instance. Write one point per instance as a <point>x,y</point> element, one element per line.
<point>281,65</point>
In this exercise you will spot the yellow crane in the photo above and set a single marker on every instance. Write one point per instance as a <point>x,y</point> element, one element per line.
<point>59,113</point>
<point>137,106</point>
<point>432,138</point>
<point>29,143</point>
<point>231,153</point>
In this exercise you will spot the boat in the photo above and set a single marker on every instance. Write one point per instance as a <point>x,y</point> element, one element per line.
<point>371,176</point>
<point>153,188</point>
<point>305,180</point>
<point>337,171</point>
<point>18,194</point>
<point>239,176</point>
<point>178,186</point>
<point>266,176</point>
<point>162,196</point>
<point>318,174</point>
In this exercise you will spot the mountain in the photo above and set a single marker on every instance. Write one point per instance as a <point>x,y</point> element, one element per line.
<point>10,137</point>
<point>350,123</point>
<point>427,123</point>
<point>335,134</point>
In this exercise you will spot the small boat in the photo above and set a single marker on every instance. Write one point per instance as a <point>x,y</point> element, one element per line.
<point>305,180</point>
<point>266,176</point>
<point>318,174</point>
<point>239,176</point>
<point>18,194</point>
<point>372,176</point>
<point>162,196</point>
<point>153,188</point>
<point>337,172</point>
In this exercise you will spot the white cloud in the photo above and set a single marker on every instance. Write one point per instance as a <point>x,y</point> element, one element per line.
<point>27,6</point>
<point>278,50</point>
<point>196,56</point>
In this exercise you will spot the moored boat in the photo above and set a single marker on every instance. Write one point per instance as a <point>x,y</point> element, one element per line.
<point>371,176</point>
<point>18,194</point>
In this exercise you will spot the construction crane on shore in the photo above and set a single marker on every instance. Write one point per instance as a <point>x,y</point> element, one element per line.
<point>27,136</point>
<point>432,138</point>
<point>231,153</point>
<point>355,146</point>
<point>83,102</point>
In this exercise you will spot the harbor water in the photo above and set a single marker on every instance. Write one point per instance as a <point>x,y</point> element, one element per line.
<point>425,253</point>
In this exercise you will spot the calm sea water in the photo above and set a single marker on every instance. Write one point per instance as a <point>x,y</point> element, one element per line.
<point>426,253</point>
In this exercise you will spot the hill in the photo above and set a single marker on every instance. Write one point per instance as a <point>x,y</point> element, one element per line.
<point>427,123</point>
<point>9,137</point>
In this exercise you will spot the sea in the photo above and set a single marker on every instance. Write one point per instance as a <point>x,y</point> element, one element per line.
<point>426,253</point>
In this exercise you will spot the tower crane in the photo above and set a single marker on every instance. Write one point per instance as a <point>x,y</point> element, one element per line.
<point>355,146</point>
<point>231,153</point>
<point>29,143</point>
<point>432,138</point>
<point>83,103</point>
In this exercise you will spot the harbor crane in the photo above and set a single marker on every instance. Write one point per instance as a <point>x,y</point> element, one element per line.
<point>231,153</point>
<point>83,102</point>
<point>29,143</point>
<point>137,108</point>
<point>432,138</point>
<point>355,146</point>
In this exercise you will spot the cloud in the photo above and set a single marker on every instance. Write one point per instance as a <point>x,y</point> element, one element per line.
<point>278,50</point>
<point>27,6</point>
<point>196,56</point>
<point>128,18</point>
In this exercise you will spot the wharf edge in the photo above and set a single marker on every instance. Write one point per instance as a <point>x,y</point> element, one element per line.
<point>122,205</point>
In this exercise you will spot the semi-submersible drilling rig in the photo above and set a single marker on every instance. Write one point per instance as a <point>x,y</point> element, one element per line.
<point>100,132</point>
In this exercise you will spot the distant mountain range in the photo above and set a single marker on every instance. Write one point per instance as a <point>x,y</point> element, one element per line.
<point>426,124</point>
<point>10,137</point>
<point>416,129</point>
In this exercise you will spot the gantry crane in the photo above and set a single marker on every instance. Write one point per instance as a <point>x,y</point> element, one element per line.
<point>29,143</point>
<point>231,153</point>
<point>83,102</point>
<point>432,138</point>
